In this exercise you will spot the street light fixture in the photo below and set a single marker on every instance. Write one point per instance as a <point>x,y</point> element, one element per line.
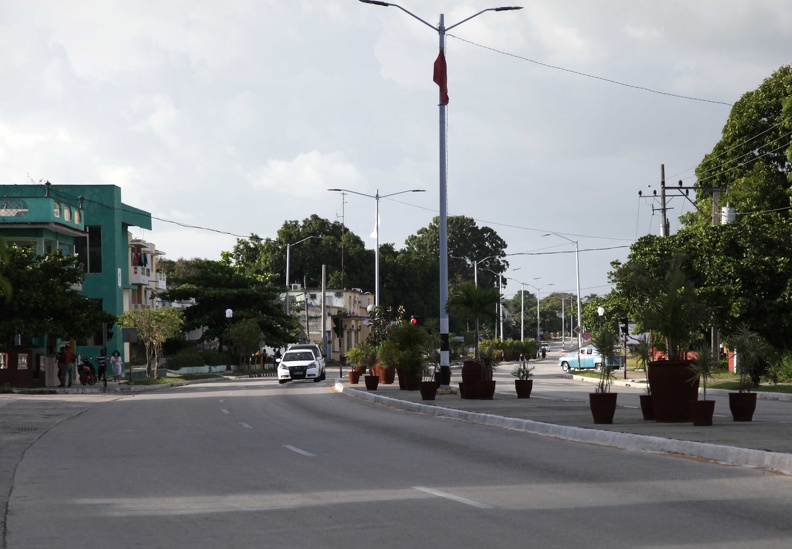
<point>577,276</point>
<point>445,365</point>
<point>376,197</point>
<point>229,315</point>
<point>288,260</point>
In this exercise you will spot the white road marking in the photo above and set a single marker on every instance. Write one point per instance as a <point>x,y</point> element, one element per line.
<point>297,450</point>
<point>222,400</point>
<point>245,425</point>
<point>224,411</point>
<point>452,497</point>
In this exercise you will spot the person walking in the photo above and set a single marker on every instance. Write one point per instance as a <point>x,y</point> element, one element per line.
<point>67,361</point>
<point>101,360</point>
<point>118,366</point>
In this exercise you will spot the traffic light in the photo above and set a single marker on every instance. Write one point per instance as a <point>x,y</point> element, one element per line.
<point>413,320</point>
<point>338,327</point>
<point>625,326</point>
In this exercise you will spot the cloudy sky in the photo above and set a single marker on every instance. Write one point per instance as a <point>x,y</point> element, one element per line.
<point>237,116</point>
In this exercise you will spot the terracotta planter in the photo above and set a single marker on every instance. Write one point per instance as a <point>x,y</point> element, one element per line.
<point>523,387</point>
<point>603,407</point>
<point>371,382</point>
<point>672,390</point>
<point>647,407</point>
<point>428,390</point>
<point>742,406</point>
<point>354,377</point>
<point>486,390</point>
<point>701,412</point>
<point>387,375</point>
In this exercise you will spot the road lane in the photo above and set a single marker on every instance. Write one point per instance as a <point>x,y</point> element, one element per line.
<point>169,469</point>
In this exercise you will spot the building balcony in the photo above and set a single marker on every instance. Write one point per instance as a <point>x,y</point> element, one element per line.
<point>140,275</point>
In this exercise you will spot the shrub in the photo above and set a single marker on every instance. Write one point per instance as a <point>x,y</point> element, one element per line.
<point>196,357</point>
<point>779,370</point>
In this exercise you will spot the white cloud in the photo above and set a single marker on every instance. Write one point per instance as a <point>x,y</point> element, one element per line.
<point>307,174</point>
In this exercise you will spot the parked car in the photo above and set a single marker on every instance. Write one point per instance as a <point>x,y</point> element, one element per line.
<point>585,358</point>
<point>300,364</point>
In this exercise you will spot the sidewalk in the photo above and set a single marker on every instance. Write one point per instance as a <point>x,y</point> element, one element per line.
<point>558,407</point>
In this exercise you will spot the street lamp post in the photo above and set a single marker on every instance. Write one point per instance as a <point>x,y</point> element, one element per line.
<point>522,305</point>
<point>229,315</point>
<point>538,291</point>
<point>445,365</point>
<point>577,276</point>
<point>288,261</point>
<point>376,197</point>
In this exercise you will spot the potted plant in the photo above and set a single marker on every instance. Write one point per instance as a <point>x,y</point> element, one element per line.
<point>403,349</point>
<point>472,302</point>
<point>602,402</point>
<point>356,356</point>
<point>523,385</point>
<point>668,305</point>
<point>643,352</point>
<point>486,385</point>
<point>703,366</point>
<point>750,351</point>
<point>429,384</point>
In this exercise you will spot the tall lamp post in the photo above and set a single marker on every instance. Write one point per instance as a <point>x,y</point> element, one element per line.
<point>538,291</point>
<point>376,197</point>
<point>441,79</point>
<point>229,315</point>
<point>577,276</point>
<point>522,305</point>
<point>288,261</point>
<point>500,302</point>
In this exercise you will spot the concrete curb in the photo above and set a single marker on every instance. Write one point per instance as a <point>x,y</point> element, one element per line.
<point>773,461</point>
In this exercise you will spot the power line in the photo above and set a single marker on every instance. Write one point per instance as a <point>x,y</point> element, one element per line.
<point>608,80</point>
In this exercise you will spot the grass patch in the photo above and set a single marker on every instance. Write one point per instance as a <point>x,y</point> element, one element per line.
<point>193,377</point>
<point>735,386</point>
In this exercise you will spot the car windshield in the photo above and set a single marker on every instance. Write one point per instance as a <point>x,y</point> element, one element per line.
<point>299,356</point>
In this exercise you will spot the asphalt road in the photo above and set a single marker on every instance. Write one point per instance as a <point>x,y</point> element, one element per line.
<point>254,464</point>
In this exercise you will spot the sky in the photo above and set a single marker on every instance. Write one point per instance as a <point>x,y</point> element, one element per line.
<point>238,116</point>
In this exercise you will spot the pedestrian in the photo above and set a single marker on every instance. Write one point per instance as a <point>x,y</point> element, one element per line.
<point>118,366</point>
<point>101,360</point>
<point>263,359</point>
<point>66,361</point>
<point>276,357</point>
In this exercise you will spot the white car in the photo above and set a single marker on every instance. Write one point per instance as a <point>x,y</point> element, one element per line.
<point>300,364</point>
<point>313,347</point>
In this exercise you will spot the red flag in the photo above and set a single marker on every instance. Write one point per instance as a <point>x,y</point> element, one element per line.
<point>441,76</point>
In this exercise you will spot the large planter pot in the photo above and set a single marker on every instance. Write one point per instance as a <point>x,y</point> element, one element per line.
<point>523,387</point>
<point>672,390</point>
<point>354,377</point>
<point>701,412</point>
<point>472,373</point>
<point>647,407</point>
<point>387,375</point>
<point>603,407</point>
<point>409,381</point>
<point>371,382</point>
<point>462,393</point>
<point>742,406</point>
<point>428,390</point>
<point>486,390</point>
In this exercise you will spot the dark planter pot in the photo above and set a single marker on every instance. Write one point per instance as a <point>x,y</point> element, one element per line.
<point>701,412</point>
<point>462,393</point>
<point>354,377</point>
<point>371,382</point>
<point>647,407</point>
<point>486,390</point>
<point>672,390</point>
<point>742,406</point>
<point>523,387</point>
<point>472,372</point>
<point>428,390</point>
<point>409,381</point>
<point>603,407</point>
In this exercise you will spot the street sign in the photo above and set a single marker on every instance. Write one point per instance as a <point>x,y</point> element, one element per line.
<point>586,336</point>
<point>578,329</point>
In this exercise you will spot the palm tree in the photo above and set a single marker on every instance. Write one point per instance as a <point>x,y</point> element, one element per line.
<point>472,302</point>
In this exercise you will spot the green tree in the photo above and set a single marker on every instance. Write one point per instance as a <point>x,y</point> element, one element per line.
<point>474,303</point>
<point>154,327</point>
<point>40,298</point>
<point>216,286</point>
<point>245,337</point>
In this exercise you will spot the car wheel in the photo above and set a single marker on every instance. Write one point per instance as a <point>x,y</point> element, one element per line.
<point>282,381</point>
<point>565,366</point>
<point>324,375</point>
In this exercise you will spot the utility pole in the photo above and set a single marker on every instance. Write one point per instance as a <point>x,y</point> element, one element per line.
<point>664,225</point>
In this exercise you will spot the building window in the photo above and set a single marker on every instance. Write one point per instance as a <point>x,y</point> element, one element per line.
<point>66,213</point>
<point>56,209</point>
<point>94,249</point>
<point>77,217</point>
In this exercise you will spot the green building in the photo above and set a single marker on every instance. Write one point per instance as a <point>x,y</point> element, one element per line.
<point>92,222</point>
